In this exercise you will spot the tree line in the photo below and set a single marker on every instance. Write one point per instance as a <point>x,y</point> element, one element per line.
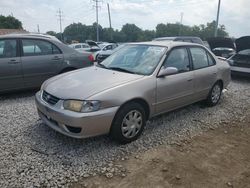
<point>132,33</point>
<point>128,33</point>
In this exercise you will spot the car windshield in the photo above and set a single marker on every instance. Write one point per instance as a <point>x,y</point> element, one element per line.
<point>137,59</point>
<point>244,52</point>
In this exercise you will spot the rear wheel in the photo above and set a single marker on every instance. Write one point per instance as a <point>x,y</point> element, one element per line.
<point>129,123</point>
<point>215,94</point>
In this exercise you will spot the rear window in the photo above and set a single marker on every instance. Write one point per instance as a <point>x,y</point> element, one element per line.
<point>199,57</point>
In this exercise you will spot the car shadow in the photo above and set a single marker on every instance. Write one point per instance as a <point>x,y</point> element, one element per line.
<point>18,94</point>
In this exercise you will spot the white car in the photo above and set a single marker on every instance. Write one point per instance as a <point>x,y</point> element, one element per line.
<point>80,46</point>
<point>103,47</point>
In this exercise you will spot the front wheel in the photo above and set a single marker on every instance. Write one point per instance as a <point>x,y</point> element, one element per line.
<point>129,123</point>
<point>215,94</point>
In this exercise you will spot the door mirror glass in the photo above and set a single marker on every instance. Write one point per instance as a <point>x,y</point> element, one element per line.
<point>167,71</point>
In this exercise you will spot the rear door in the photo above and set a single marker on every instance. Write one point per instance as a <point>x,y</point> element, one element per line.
<point>205,71</point>
<point>41,60</point>
<point>176,90</point>
<point>10,65</point>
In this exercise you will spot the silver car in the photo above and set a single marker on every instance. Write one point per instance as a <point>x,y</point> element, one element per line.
<point>27,60</point>
<point>139,81</point>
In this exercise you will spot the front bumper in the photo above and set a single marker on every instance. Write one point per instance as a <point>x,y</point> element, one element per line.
<point>74,124</point>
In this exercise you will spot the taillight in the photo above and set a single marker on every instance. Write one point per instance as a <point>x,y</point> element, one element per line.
<point>91,58</point>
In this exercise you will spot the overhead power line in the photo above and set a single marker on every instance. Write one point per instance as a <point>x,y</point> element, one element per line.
<point>217,20</point>
<point>96,6</point>
<point>60,16</point>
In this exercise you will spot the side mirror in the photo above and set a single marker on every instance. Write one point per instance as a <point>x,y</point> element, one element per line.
<point>167,71</point>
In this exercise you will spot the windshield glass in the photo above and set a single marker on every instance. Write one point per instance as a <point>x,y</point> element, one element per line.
<point>138,59</point>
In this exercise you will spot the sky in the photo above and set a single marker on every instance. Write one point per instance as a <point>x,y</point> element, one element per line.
<point>146,14</point>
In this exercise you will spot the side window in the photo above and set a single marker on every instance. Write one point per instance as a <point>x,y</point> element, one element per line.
<point>56,50</point>
<point>8,48</point>
<point>187,40</point>
<point>179,59</point>
<point>110,47</point>
<point>33,47</point>
<point>199,57</point>
<point>211,60</point>
<point>78,46</point>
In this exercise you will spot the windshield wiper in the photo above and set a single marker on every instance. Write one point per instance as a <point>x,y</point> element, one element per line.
<point>120,69</point>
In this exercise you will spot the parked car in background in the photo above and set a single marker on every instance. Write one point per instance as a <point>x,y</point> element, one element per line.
<point>205,43</point>
<point>106,53</point>
<point>81,47</point>
<point>240,62</point>
<point>101,48</point>
<point>137,82</point>
<point>26,61</point>
<point>223,47</point>
<point>191,39</point>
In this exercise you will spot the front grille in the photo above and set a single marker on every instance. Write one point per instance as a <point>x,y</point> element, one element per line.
<point>49,98</point>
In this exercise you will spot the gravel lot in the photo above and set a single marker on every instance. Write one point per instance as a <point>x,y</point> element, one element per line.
<point>32,154</point>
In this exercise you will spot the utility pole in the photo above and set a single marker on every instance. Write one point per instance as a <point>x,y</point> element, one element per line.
<point>217,19</point>
<point>181,23</point>
<point>60,15</point>
<point>38,29</point>
<point>97,26</point>
<point>110,26</point>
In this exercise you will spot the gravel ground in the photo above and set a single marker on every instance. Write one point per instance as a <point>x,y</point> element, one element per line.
<point>33,155</point>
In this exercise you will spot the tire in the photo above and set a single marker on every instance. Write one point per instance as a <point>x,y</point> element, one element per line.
<point>214,95</point>
<point>128,123</point>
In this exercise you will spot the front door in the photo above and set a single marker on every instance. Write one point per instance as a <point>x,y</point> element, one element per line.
<point>176,90</point>
<point>10,65</point>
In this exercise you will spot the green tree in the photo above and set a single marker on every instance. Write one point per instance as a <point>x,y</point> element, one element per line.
<point>52,33</point>
<point>10,22</point>
<point>131,32</point>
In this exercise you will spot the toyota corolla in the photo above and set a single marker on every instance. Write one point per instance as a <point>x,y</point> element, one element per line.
<point>139,81</point>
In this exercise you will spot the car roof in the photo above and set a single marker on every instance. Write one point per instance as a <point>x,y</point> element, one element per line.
<point>168,44</point>
<point>177,37</point>
<point>31,36</point>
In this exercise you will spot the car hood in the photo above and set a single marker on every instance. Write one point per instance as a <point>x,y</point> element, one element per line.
<point>92,43</point>
<point>86,82</point>
<point>242,43</point>
<point>216,42</point>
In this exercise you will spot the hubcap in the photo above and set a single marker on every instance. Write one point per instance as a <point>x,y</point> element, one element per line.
<point>131,124</point>
<point>216,92</point>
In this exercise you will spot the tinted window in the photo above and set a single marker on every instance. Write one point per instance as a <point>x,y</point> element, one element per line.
<point>8,48</point>
<point>178,58</point>
<point>211,60</point>
<point>38,47</point>
<point>199,57</point>
<point>187,40</point>
<point>197,41</point>
<point>55,49</point>
<point>78,46</point>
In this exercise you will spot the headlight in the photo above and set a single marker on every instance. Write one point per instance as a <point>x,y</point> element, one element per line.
<point>81,106</point>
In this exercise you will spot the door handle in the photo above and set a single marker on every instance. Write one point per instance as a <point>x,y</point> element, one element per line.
<point>189,80</point>
<point>13,61</point>
<point>56,58</point>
